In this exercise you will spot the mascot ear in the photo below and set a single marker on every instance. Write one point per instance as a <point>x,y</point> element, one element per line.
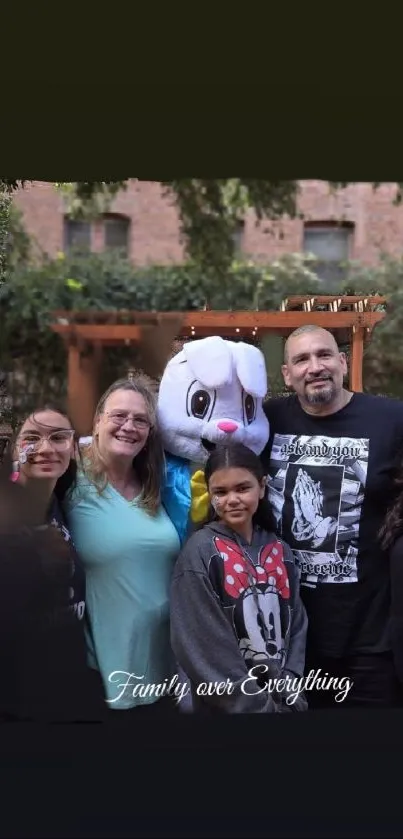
<point>210,361</point>
<point>250,366</point>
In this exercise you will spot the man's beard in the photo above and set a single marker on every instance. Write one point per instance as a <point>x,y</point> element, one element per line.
<point>322,396</point>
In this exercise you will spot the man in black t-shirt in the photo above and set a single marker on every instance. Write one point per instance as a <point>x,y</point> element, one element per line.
<point>330,462</point>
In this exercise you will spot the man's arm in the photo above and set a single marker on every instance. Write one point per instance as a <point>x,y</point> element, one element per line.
<point>396,612</point>
<point>271,408</point>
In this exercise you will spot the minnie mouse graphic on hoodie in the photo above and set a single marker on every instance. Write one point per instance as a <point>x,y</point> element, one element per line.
<point>236,615</point>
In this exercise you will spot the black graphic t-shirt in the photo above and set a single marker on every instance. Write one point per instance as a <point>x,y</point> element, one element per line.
<point>396,622</point>
<point>43,652</point>
<point>77,588</point>
<point>330,482</point>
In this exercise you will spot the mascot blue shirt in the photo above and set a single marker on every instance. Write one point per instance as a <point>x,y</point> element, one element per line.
<point>176,493</point>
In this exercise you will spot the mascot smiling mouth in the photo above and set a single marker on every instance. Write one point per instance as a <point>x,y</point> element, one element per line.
<point>208,445</point>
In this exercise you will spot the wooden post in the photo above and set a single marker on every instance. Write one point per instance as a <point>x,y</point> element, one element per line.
<point>83,386</point>
<point>357,357</point>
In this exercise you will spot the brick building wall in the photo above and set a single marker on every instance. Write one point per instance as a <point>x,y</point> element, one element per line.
<point>153,232</point>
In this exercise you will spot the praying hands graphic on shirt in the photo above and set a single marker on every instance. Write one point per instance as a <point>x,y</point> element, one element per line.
<point>309,524</point>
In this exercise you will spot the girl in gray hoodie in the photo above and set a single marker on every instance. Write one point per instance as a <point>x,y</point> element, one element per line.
<point>238,626</point>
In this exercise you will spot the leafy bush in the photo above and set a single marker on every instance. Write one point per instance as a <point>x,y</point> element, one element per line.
<point>103,282</point>
<point>4,220</point>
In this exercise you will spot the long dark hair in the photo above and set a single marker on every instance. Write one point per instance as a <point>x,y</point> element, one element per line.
<point>67,480</point>
<point>393,524</point>
<point>238,456</point>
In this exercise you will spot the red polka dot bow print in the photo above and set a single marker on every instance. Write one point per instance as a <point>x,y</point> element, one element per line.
<point>238,570</point>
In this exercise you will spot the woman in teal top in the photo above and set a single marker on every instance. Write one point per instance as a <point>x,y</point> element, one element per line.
<point>128,546</point>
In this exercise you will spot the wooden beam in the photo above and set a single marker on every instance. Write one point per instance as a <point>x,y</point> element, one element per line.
<point>83,387</point>
<point>100,332</point>
<point>356,360</point>
<point>65,317</point>
<point>280,320</point>
<point>343,300</point>
<point>214,321</point>
<point>121,316</point>
<point>85,331</point>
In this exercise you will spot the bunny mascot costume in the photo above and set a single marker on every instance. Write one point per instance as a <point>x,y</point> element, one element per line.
<point>211,392</point>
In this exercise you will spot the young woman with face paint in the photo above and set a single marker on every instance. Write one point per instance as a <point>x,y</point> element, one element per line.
<point>43,596</point>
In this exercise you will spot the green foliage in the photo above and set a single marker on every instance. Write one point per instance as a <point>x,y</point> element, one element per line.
<point>21,248</point>
<point>209,209</point>
<point>335,185</point>
<point>16,246</point>
<point>105,282</point>
<point>89,200</point>
<point>4,221</point>
<point>383,360</point>
<point>10,186</point>
<point>38,286</point>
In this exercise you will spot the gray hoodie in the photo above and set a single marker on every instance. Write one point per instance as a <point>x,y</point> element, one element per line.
<point>237,619</point>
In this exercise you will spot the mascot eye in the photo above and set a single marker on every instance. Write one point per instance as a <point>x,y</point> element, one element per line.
<point>200,403</point>
<point>249,408</point>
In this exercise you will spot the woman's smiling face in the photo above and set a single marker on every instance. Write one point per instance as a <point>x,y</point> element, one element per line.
<point>123,426</point>
<point>44,445</point>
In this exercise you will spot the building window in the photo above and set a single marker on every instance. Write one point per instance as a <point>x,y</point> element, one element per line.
<point>238,236</point>
<point>77,235</point>
<point>330,243</point>
<point>116,233</point>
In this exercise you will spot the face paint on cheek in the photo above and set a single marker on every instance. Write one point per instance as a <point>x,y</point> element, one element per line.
<point>215,503</point>
<point>24,454</point>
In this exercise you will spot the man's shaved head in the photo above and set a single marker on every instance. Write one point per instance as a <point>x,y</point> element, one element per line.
<point>310,327</point>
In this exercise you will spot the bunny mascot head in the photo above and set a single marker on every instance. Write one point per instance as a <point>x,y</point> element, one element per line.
<point>211,392</point>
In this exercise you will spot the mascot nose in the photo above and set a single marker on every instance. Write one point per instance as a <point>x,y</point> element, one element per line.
<point>229,427</point>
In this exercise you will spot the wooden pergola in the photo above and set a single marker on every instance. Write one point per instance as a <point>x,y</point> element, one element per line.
<point>87,335</point>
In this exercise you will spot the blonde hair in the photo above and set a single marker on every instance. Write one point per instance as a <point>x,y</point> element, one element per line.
<point>149,463</point>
